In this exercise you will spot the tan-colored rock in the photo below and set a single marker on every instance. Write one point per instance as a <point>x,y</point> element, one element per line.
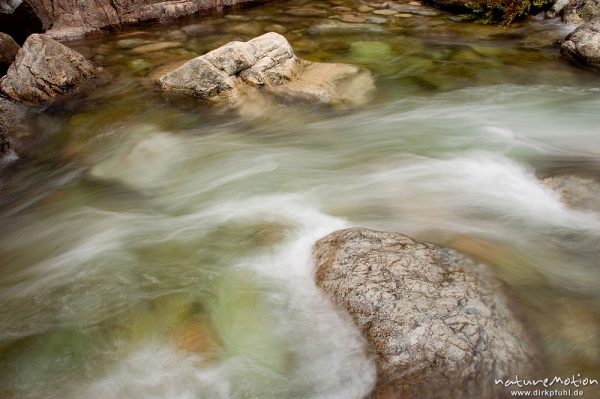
<point>583,44</point>
<point>268,63</point>
<point>8,51</point>
<point>153,47</point>
<point>438,324</point>
<point>43,70</point>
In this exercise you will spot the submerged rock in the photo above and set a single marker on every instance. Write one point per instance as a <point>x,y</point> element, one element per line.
<point>8,51</point>
<point>268,63</point>
<point>438,324</point>
<point>575,191</point>
<point>43,70</point>
<point>583,44</point>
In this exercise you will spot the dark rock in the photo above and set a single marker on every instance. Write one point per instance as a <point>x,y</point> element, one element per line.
<point>18,19</point>
<point>43,70</point>
<point>439,325</point>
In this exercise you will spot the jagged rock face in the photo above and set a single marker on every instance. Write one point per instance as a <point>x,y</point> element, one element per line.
<point>583,44</point>
<point>268,62</point>
<point>8,51</point>
<point>69,18</point>
<point>438,324</point>
<point>43,70</point>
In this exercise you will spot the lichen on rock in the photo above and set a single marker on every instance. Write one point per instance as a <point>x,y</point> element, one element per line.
<point>439,325</point>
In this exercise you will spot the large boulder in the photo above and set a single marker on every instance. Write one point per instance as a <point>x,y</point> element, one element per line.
<point>67,18</point>
<point>583,44</point>
<point>439,325</point>
<point>268,62</point>
<point>43,70</point>
<point>8,51</point>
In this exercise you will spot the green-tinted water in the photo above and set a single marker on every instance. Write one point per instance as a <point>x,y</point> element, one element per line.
<point>160,248</point>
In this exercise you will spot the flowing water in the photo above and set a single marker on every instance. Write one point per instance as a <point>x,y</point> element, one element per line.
<point>161,248</point>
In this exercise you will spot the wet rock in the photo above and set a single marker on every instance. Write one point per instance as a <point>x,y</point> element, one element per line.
<point>385,12</point>
<point>246,28</point>
<point>370,50</point>
<point>14,132</point>
<point>43,70</point>
<point>339,85</point>
<point>131,43</point>
<point>579,11</point>
<point>365,9</point>
<point>268,63</point>
<point>578,192</point>
<point>153,47</point>
<point>8,51</point>
<point>350,18</point>
<point>377,20</point>
<point>276,28</point>
<point>18,19</point>
<point>416,10</point>
<point>67,18</point>
<point>557,8</point>
<point>145,161</point>
<point>9,6</point>
<point>306,12</point>
<point>340,28</point>
<point>341,9</point>
<point>439,325</point>
<point>583,44</point>
<point>198,30</point>
<point>379,5</point>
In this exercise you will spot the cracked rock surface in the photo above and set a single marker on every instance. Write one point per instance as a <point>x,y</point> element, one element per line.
<point>268,62</point>
<point>437,323</point>
<point>44,69</point>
